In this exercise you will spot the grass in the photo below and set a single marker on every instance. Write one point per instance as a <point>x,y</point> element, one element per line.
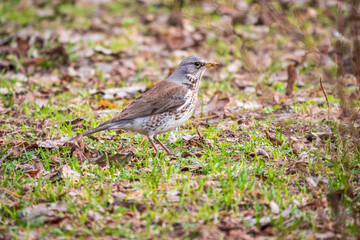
<point>229,177</point>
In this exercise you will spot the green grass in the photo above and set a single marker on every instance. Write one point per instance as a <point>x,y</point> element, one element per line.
<point>229,177</point>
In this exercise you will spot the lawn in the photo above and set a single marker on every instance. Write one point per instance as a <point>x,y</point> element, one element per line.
<point>272,150</point>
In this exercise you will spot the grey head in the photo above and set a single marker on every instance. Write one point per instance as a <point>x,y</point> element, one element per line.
<point>190,70</point>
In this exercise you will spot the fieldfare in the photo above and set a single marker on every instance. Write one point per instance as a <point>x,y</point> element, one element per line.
<point>166,106</point>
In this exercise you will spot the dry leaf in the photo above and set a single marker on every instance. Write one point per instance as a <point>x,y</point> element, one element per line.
<point>51,144</point>
<point>105,104</point>
<point>274,207</point>
<point>214,107</point>
<point>67,172</point>
<point>43,213</point>
<point>120,93</point>
<point>273,140</point>
<point>119,158</point>
<point>192,167</point>
<point>292,75</point>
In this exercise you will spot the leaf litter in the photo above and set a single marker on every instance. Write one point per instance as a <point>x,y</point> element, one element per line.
<point>273,121</point>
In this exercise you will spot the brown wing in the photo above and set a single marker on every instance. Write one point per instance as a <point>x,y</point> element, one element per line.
<point>164,96</point>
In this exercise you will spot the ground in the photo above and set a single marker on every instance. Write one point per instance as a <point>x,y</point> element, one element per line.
<point>272,151</point>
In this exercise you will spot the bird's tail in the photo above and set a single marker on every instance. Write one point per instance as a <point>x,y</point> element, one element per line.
<point>95,130</point>
<point>102,127</point>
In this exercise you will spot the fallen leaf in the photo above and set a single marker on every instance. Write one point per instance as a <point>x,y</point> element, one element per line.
<point>173,196</point>
<point>94,216</point>
<point>263,151</point>
<point>31,170</point>
<point>51,144</point>
<point>76,122</point>
<point>273,140</point>
<point>18,91</point>
<point>274,207</point>
<point>287,211</point>
<point>59,53</point>
<point>53,175</point>
<point>192,167</point>
<point>119,159</point>
<point>176,39</point>
<point>105,104</point>
<point>79,148</point>
<point>120,93</point>
<point>42,213</point>
<point>214,107</point>
<point>22,47</point>
<point>335,198</point>
<point>5,64</point>
<point>29,234</point>
<point>312,182</point>
<point>322,135</point>
<point>297,145</point>
<point>315,203</point>
<point>67,172</point>
<point>326,235</point>
<point>102,50</point>
<point>292,75</point>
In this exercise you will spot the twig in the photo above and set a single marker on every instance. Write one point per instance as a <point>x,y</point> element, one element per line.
<point>201,137</point>
<point>13,194</point>
<point>208,117</point>
<point>327,100</point>
<point>4,157</point>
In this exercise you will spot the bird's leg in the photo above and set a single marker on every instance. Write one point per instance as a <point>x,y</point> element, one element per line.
<point>152,143</point>
<point>163,146</point>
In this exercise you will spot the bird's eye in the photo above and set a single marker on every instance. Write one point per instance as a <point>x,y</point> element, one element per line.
<point>197,64</point>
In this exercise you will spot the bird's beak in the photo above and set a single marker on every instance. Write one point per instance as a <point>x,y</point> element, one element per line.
<point>211,64</point>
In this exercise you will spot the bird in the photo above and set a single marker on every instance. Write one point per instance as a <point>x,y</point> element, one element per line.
<point>164,107</point>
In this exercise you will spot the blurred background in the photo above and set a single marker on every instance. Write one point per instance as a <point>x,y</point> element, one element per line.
<point>273,52</point>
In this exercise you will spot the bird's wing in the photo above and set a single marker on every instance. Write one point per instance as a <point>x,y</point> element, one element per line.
<point>164,96</point>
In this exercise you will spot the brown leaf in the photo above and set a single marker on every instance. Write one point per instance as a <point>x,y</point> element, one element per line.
<point>321,135</point>
<point>188,154</point>
<point>59,53</point>
<point>192,167</point>
<point>315,203</point>
<point>120,93</point>
<point>67,172</point>
<point>23,46</point>
<point>326,235</point>
<point>263,151</point>
<point>5,64</point>
<point>176,19</point>
<point>43,213</point>
<point>76,122</point>
<point>105,104</point>
<point>119,158</point>
<point>79,148</point>
<point>335,198</point>
<point>178,39</point>
<point>51,144</point>
<point>274,207</point>
<point>36,60</point>
<point>297,145</point>
<point>273,140</point>
<point>214,107</point>
<point>312,182</point>
<point>209,233</point>
<point>292,75</point>
<point>79,142</point>
<point>32,170</point>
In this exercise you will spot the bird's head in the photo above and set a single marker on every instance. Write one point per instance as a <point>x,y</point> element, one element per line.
<point>191,69</point>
